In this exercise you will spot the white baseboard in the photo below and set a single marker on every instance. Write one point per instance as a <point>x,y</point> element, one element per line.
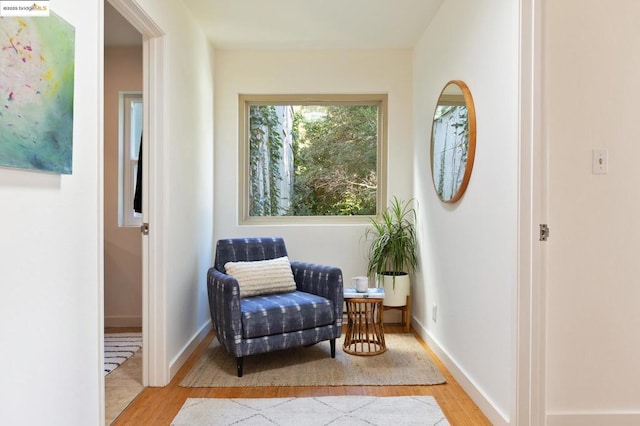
<point>122,321</point>
<point>480,399</point>
<point>188,349</point>
<point>593,419</point>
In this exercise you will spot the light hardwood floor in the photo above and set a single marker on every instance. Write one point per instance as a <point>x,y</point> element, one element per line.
<point>159,406</point>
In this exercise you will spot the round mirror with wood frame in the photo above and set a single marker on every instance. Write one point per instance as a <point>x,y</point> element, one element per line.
<point>453,141</point>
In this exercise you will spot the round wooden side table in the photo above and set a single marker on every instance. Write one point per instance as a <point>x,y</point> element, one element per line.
<point>365,332</point>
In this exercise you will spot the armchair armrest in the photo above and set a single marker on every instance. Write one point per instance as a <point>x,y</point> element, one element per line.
<point>224,305</point>
<point>325,281</point>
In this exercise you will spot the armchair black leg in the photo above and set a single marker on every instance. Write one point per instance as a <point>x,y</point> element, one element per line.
<point>239,365</point>
<point>332,342</point>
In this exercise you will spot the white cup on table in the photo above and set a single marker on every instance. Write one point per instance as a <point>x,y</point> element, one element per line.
<point>361,284</point>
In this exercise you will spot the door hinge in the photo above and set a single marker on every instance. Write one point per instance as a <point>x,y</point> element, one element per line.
<point>544,232</point>
<point>144,229</point>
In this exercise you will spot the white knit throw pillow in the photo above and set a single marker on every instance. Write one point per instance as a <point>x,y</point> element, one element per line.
<point>262,276</point>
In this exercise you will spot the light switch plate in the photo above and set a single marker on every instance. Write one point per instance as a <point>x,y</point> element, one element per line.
<point>600,164</point>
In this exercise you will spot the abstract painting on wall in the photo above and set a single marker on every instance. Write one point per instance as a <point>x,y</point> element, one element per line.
<point>36,93</point>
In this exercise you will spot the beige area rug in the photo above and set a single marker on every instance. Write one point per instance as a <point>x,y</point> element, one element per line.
<point>405,362</point>
<point>328,410</point>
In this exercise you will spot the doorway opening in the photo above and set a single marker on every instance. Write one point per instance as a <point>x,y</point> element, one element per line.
<point>123,77</point>
<point>133,51</point>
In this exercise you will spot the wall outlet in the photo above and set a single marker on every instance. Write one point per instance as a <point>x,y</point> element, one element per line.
<point>434,313</point>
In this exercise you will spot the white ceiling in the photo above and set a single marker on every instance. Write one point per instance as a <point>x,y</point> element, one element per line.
<point>303,24</point>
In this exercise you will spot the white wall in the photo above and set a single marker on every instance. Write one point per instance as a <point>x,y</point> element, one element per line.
<point>183,200</point>
<point>122,245</point>
<point>50,282</point>
<point>468,250</point>
<point>52,237</point>
<point>322,71</point>
<point>593,321</point>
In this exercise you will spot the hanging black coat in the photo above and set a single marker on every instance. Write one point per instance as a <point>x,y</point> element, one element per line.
<point>137,198</point>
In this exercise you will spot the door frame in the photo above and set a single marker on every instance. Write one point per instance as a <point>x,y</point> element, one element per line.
<point>529,401</point>
<point>154,364</point>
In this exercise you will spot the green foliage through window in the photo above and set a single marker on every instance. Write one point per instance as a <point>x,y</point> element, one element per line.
<point>265,141</point>
<point>316,159</point>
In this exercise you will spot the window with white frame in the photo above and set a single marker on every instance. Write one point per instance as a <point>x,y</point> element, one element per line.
<point>130,117</point>
<point>312,157</point>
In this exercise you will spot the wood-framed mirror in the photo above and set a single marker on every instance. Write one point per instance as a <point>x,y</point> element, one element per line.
<point>453,141</point>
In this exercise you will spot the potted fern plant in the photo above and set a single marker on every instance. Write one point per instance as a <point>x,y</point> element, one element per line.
<point>392,254</point>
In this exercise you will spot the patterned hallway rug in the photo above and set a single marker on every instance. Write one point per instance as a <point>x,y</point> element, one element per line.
<point>119,347</point>
<point>327,410</point>
<point>405,362</point>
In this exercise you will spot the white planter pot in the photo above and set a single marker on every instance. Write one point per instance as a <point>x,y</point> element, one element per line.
<point>395,295</point>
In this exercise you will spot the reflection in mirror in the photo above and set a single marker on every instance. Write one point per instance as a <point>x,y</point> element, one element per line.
<point>453,141</point>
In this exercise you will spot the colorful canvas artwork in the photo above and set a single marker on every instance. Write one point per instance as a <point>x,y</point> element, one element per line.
<point>36,93</point>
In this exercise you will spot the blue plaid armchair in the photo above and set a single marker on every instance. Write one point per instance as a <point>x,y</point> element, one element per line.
<point>264,323</point>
